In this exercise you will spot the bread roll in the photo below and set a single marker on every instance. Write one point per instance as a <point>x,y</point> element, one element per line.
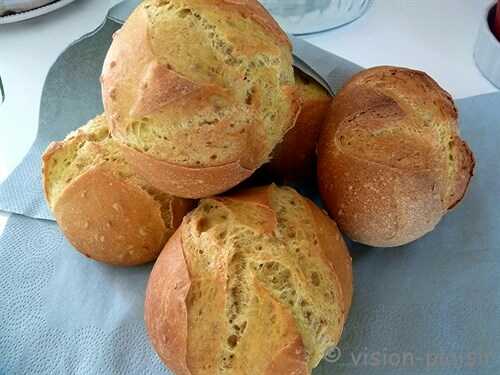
<point>105,210</point>
<point>390,159</point>
<point>199,92</point>
<point>294,158</point>
<point>255,283</point>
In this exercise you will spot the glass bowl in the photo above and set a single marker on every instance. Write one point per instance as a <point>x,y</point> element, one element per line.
<point>311,16</point>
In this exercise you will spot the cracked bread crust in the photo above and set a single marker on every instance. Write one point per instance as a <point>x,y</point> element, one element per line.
<point>206,117</point>
<point>106,211</point>
<point>391,162</point>
<point>263,278</point>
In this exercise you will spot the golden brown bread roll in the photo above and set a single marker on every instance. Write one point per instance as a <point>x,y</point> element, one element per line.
<point>199,92</point>
<point>390,159</point>
<point>255,283</point>
<point>105,210</point>
<point>294,158</point>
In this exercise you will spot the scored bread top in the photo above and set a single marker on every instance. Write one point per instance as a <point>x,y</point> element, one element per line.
<point>263,278</point>
<point>435,118</point>
<point>200,84</point>
<point>103,208</point>
<point>391,161</point>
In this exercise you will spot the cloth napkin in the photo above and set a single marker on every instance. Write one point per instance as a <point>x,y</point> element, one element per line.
<point>428,308</point>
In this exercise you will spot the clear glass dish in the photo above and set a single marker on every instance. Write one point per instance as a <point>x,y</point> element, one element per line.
<point>311,16</point>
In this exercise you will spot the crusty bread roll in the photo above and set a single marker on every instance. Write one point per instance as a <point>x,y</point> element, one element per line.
<point>105,210</point>
<point>255,283</point>
<point>294,158</point>
<point>199,92</point>
<point>390,159</point>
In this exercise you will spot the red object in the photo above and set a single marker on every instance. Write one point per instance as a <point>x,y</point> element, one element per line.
<point>497,21</point>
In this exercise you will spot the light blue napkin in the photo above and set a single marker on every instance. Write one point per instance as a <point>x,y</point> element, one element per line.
<point>428,308</point>
<point>63,314</point>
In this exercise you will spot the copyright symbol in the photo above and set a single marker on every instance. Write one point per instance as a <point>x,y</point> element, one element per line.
<point>333,355</point>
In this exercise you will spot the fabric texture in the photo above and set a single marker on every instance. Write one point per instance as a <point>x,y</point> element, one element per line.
<point>63,314</point>
<point>428,308</point>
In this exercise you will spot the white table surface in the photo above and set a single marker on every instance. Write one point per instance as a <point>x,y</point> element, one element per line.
<point>434,36</point>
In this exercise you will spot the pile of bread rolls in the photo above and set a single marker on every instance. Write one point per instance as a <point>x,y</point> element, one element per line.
<point>200,94</point>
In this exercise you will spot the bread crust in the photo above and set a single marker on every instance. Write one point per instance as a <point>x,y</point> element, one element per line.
<point>337,256</point>
<point>259,14</point>
<point>289,356</point>
<point>294,158</point>
<point>110,220</point>
<point>51,150</point>
<point>289,360</point>
<point>106,212</point>
<point>167,322</point>
<point>328,233</point>
<point>183,181</point>
<point>168,299</point>
<point>145,88</point>
<point>260,196</point>
<point>390,159</point>
<point>466,164</point>
<point>166,317</point>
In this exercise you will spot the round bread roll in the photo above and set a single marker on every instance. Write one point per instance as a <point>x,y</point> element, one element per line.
<point>255,283</point>
<point>106,211</point>
<point>390,159</point>
<point>294,158</point>
<point>199,92</point>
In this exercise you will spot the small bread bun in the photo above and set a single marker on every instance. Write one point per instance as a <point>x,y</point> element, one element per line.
<point>294,158</point>
<point>390,159</point>
<point>255,283</point>
<point>106,211</point>
<point>199,92</point>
